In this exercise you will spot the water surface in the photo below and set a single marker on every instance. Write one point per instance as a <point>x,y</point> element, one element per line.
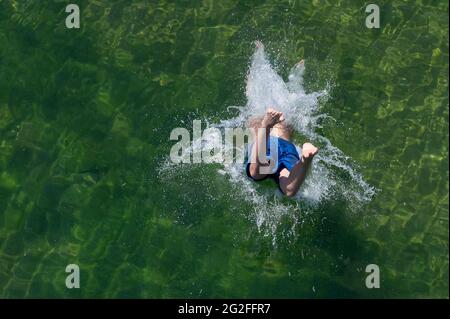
<point>85,119</point>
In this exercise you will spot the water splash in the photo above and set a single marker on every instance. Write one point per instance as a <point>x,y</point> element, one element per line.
<point>332,175</point>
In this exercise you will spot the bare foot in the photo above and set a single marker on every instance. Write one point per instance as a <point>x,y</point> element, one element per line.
<point>271,118</point>
<point>308,151</point>
<point>259,44</point>
<point>300,64</point>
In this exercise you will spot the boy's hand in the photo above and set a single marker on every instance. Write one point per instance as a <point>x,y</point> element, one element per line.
<point>308,151</point>
<point>271,118</point>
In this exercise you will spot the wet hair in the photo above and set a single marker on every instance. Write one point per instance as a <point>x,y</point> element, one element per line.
<point>255,121</point>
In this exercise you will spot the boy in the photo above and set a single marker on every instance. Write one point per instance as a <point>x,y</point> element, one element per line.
<point>271,136</point>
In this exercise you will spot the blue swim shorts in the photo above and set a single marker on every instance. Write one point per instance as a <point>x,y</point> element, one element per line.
<point>287,157</point>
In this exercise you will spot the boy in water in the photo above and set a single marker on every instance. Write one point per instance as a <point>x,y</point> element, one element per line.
<point>271,136</point>
<point>272,154</point>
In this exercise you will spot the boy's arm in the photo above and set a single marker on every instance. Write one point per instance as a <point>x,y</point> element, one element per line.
<point>290,182</point>
<point>259,148</point>
<point>259,158</point>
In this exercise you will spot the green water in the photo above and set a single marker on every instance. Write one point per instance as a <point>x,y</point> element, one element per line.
<point>85,118</point>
